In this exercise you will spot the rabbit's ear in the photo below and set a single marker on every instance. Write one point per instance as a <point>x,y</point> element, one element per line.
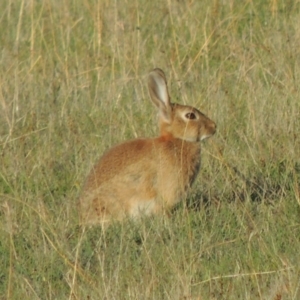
<point>158,89</point>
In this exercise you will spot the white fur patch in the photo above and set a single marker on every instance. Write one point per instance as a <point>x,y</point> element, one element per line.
<point>140,208</point>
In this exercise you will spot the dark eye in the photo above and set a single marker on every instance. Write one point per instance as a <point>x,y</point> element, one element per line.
<point>190,116</point>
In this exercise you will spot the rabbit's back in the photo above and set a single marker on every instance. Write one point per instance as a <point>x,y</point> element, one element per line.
<point>142,176</point>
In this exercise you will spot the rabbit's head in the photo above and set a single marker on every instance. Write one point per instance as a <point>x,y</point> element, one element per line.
<point>175,120</point>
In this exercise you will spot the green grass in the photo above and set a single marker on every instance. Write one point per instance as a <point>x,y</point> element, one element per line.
<point>73,83</point>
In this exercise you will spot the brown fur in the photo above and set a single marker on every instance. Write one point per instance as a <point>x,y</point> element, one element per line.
<point>148,176</point>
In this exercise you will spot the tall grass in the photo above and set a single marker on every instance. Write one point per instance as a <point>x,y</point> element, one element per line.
<point>73,83</point>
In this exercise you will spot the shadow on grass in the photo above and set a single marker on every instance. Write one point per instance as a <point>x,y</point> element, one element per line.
<point>269,187</point>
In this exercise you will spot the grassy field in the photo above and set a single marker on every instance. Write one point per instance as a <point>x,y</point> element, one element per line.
<point>73,83</point>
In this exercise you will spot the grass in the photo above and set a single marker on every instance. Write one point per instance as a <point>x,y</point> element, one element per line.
<point>73,83</point>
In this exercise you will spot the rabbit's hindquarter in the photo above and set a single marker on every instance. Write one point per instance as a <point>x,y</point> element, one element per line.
<point>139,177</point>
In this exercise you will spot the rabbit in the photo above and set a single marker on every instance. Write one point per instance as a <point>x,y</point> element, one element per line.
<point>148,176</point>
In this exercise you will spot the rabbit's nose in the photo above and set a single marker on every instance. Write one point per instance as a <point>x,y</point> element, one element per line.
<point>213,127</point>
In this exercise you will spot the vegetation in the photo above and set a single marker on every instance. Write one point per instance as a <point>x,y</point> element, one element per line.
<point>73,83</point>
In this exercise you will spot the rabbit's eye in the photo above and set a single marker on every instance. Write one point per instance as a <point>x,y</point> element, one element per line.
<point>190,116</point>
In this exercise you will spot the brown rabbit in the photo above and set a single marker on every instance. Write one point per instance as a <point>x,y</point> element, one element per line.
<point>148,176</point>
